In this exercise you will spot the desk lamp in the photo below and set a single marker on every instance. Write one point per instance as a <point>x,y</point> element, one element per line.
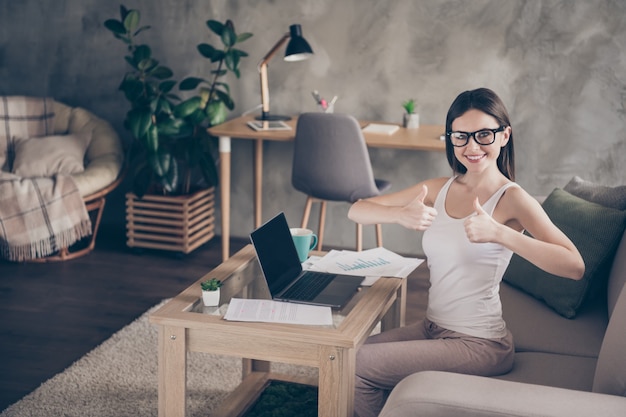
<point>298,49</point>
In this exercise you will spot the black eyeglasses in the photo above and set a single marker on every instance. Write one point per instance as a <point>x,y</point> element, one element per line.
<point>482,136</point>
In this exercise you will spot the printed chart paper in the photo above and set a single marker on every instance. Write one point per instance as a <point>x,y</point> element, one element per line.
<point>372,263</point>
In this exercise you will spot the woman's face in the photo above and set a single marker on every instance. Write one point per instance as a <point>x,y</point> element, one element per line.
<point>474,156</point>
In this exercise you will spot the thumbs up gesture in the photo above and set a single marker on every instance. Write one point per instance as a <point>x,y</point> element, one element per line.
<point>480,227</point>
<point>416,215</point>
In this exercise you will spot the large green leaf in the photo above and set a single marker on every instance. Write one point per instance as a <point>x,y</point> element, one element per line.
<point>160,162</point>
<point>147,64</point>
<point>133,89</point>
<point>141,29</point>
<point>206,50</point>
<point>139,120</point>
<point>226,99</point>
<point>215,26</point>
<point>187,107</point>
<point>190,83</point>
<point>225,86</point>
<point>163,106</point>
<point>152,138</point>
<point>232,62</point>
<point>161,73</point>
<point>141,52</point>
<point>131,21</point>
<point>115,26</point>
<point>239,52</point>
<point>170,179</point>
<point>216,112</point>
<point>243,36</point>
<point>166,86</point>
<point>170,126</point>
<point>229,38</point>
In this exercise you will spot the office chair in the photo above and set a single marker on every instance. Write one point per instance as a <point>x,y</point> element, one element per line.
<point>331,163</point>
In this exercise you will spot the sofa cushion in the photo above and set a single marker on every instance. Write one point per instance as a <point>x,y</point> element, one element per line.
<point>595,230</point>
<point>433,393</point>
<point>614,197</point>
<point>617,278</point>
<point>610,376</point>
<point>23,117</point>
<point>554,370</point>
<point>105,155</point>
<point>50,155</point>
<point>537,328</point>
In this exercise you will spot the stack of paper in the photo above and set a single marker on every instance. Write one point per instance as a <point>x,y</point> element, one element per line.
<point>381,129</point>
<point>269,311</point>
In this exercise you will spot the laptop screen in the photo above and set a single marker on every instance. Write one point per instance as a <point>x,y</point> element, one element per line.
<point>276,253</point>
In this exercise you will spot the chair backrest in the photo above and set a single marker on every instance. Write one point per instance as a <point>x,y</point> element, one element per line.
<point>331,160</point>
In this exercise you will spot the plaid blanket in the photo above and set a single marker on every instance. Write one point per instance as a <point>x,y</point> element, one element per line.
<point>38,216</point>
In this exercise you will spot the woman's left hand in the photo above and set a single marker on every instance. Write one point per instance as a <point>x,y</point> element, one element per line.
<point>481,227</point>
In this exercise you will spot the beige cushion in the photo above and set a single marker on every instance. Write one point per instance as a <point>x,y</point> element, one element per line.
<point>50,155</point>
<point>614,197</point>
<point>105,154</point>
<point>24,117</point>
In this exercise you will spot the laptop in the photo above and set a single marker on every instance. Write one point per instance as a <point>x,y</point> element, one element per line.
<point>283,271</point>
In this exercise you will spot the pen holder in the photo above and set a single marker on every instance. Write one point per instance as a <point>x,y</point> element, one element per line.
<point>329,109</point>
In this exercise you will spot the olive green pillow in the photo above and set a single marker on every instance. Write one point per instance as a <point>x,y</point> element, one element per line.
<point>595,230</point>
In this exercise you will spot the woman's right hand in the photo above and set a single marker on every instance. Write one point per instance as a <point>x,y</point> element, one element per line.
<point>416,215</point>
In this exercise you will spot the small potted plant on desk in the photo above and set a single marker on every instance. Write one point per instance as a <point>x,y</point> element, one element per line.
<point>411,120</point>
<point>211,292</point>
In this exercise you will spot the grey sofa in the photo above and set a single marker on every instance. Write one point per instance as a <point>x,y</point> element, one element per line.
<point>563,367</point>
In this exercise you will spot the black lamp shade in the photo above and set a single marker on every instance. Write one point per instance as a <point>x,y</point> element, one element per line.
<point>298,48</point>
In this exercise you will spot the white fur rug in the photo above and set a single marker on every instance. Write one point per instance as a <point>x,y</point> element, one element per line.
<point>119,378</point>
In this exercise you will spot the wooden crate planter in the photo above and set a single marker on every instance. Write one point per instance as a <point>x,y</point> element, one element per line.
<point>174,223</point>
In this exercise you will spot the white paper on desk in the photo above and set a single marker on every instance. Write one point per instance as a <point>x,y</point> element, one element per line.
<point>374,262</point>
<point>269,311</point>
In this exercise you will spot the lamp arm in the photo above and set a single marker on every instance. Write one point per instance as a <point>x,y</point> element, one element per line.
<point>262,67</point>
<point>275,49</point>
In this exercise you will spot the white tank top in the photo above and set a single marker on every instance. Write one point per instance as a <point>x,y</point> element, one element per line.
<point>464,276</point>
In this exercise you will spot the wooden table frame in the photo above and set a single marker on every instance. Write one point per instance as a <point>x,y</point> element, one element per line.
<point>425,138</point>
<point>331,349</point>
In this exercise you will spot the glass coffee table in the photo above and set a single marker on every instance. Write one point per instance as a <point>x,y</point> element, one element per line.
<point>184,325</point>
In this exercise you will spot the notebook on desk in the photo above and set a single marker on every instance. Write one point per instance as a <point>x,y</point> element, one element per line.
<point>283,272</point>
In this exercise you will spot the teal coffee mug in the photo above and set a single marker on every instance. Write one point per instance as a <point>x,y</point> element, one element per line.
<point>305,240</point>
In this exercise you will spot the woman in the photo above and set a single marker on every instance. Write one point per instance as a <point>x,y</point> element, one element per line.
<point>472,224</point>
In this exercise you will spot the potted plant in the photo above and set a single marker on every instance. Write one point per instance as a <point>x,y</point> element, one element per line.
<point>172,152</point>
<point>410,120</point>
<point>211,292</point>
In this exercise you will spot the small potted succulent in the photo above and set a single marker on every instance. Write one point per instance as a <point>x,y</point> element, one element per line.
<point>411,120</point>
<point>211,292</point>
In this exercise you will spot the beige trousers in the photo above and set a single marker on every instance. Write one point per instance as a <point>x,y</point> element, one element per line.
<point>386,358</point>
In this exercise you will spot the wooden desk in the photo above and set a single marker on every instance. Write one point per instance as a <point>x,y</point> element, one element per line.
<point>185,325</point>
<point>426,138</point>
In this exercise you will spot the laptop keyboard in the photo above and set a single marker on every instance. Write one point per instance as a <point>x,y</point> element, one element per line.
<point>308,286</point>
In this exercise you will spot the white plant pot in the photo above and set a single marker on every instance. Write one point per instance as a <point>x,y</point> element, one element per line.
<point>411,121</point>
<point>211,298</point>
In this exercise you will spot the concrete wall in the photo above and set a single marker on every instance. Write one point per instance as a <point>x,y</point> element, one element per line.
<point>560,66</point>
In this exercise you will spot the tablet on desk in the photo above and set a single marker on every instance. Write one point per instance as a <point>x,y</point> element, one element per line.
<point>261,125</point>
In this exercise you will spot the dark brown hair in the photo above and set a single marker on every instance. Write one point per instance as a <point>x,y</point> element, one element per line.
<point>486,101</point>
